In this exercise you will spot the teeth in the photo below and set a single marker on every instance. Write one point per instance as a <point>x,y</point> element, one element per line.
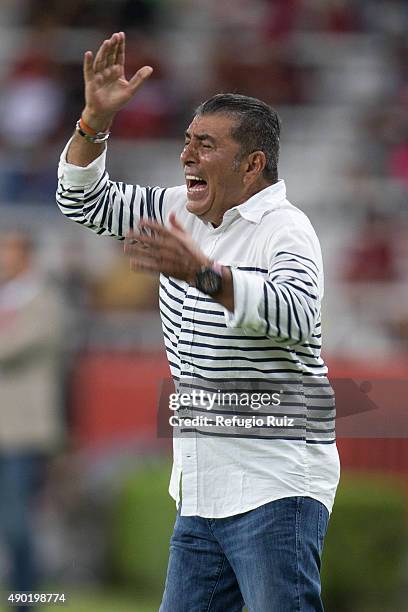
<point>192,177</point>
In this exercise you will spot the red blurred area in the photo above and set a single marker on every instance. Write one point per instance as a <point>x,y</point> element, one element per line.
<point>115,396</point>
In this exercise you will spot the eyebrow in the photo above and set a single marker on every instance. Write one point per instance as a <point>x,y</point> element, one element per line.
<point>200,136</point>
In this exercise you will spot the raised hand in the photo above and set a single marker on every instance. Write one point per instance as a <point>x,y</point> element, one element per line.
<point>106,88</point>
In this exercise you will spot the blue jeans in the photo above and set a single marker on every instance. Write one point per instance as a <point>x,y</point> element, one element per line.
<point>20,477</point>
<point>267,559</point>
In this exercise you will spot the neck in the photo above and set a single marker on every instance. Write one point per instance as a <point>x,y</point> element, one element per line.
<point>248,193</point>
<point>255,188</point>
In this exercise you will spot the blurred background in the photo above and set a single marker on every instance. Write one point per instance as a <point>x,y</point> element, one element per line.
<point>83,473</point>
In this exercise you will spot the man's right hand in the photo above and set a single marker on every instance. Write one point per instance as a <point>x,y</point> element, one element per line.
<point>106,92</point>
<point>106,88</point>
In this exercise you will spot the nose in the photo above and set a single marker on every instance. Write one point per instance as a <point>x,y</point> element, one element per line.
<point>188,154</point>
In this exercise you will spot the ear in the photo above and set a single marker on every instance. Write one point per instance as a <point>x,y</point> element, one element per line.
<point>256,163</point>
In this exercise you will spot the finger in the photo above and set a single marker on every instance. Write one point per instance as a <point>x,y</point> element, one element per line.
<point>100,58</point>
<point>133,238</point>
<point>130,240</point>
<point>168,257</point>
<point>154,226</point>
<point>141,265</point>
<point>161,244</point>
<point>144,253</point>
<point>175,223</point>
<point>88,65</point>
<point>110,58</point>
<point>112,52</point>
<point>141,75</point>
<point>120,59</point>
<point>133,246</point>
<point>174,237</point>
<point>137,247</point>
<point>109,52</point>
<point>176,232</point>
<point>150,240</point>
<point>163,256</point>
<point>119,38</point>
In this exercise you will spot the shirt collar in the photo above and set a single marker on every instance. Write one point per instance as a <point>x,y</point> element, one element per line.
<point>262,202</point>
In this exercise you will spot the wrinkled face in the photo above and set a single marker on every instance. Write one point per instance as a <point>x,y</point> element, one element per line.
<point>214,177</point>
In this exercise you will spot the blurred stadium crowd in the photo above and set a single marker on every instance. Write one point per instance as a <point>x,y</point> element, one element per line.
<point>337,72</point>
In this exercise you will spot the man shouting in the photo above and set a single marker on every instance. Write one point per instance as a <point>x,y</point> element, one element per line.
<point>241,284</point>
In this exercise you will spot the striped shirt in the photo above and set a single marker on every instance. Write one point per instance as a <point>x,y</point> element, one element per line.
<point>271,343</point>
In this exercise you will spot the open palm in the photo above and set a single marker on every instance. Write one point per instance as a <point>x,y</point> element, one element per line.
<point>106,88</point>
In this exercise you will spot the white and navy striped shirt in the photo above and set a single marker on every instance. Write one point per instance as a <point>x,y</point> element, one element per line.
<point>273,337</point>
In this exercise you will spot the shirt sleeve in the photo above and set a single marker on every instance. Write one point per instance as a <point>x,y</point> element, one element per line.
<point>286,305</point>
<point>88,197</point>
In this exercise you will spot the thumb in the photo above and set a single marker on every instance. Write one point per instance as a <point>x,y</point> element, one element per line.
<point>139,77</point>
<point>175,224</point>
<point>88,63</point>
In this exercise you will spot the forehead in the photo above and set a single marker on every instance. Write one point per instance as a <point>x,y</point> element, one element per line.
<point>217,125</point>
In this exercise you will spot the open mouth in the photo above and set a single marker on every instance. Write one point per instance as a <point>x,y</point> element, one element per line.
<point>195,184</point>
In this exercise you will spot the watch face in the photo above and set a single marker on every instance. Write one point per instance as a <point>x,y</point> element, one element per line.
<point>208,281</point>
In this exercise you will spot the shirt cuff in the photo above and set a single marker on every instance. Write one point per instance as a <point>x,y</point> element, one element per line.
<point>77,175</point>
<point>248,291</point>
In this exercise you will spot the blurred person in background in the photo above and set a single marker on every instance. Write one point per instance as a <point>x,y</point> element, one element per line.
<point>31,424</point>
<point>253,510</point>
<point>372,256</point>
<point>31,106</point>
<point>117,289</point>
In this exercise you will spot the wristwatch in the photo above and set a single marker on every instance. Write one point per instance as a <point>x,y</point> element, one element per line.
<point>208,280</point>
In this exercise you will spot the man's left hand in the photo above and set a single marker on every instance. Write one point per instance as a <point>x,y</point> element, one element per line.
<point>169,251</point>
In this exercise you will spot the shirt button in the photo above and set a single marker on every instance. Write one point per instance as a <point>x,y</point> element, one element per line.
<point>187,366</point>
<point>188,325</point>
